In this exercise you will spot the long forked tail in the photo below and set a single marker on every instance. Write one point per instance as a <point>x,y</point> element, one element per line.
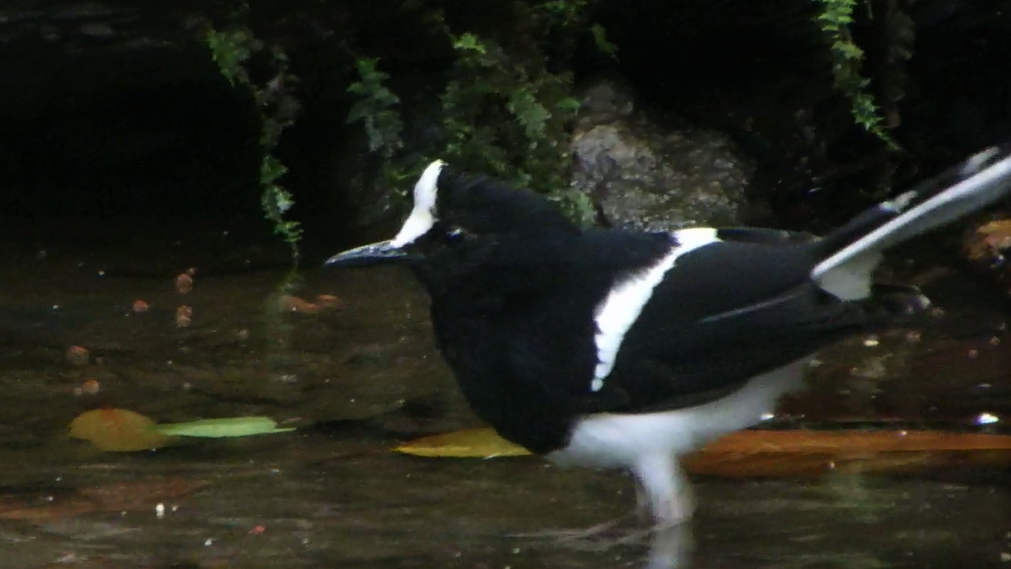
<point>853,251</point>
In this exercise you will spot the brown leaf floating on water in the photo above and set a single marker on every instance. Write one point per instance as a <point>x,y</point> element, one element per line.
<point>804,453</point>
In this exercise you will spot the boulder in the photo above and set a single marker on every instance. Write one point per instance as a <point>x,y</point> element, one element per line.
<point>641,175</point>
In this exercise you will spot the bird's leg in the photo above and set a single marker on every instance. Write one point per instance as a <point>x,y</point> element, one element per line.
<point>667,490</point>
<point>670,497</point>
<point>661,490</point>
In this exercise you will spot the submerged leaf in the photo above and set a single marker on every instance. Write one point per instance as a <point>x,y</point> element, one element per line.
<point>118,430</point>
<point>221,428</point>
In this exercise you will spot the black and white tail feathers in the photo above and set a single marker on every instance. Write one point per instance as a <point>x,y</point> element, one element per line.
<point>851,252</point>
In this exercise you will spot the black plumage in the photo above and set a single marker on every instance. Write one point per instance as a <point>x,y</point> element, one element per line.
<point>624,349</point>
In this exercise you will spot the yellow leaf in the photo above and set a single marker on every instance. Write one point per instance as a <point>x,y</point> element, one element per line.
<point>471,443</point>
<point>118,430</point>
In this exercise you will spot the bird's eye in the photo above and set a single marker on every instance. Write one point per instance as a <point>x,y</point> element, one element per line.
<point>455,235</point>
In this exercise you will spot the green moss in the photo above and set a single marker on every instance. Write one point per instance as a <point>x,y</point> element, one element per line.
<point>376,109</point>
<point>507,104</point>
<point>847,59</point>
<point>276,107</point>
<point>232,49</point>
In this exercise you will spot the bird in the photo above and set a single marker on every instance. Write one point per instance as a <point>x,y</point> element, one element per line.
<point>618,349</point>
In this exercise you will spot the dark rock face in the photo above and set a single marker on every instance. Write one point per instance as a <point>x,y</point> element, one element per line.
<point>111,108</point>
<point>643,176</point>
<point>86,48</point>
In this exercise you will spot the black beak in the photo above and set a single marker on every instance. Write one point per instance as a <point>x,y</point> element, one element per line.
<point>383,252</point>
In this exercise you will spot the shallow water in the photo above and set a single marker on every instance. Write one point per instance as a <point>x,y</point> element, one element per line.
<point>361,378</point>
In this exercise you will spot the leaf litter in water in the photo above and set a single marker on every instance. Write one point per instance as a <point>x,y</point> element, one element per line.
<point>221,428</point>
<point>122,430</point>
<point>767,453</point>
<point>118,430</point>
<point>761,453</point>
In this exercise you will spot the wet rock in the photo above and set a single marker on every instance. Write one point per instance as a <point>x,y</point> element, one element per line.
<point>641,175</point>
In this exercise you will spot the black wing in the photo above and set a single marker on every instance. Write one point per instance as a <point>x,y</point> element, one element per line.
<point>722,315</point>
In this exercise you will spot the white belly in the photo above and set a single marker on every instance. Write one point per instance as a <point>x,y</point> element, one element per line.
<point>609,440</point>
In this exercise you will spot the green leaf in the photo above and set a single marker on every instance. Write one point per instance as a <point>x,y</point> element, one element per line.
<point>359,111</point>
<point>469,42</point>
<point>529,112</point>
<point>367,66</point>
<point>601,41</point>
<point>569,105</point>
<point>221,428</point>
<point>848,50</point>
<point>271,169</point>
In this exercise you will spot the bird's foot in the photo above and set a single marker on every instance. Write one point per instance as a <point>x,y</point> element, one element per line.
<point>598,537</point>
<point>588,539</point>
<point>606,535</point>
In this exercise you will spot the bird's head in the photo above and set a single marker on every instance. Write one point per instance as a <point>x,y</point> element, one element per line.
<point>458,222</point>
